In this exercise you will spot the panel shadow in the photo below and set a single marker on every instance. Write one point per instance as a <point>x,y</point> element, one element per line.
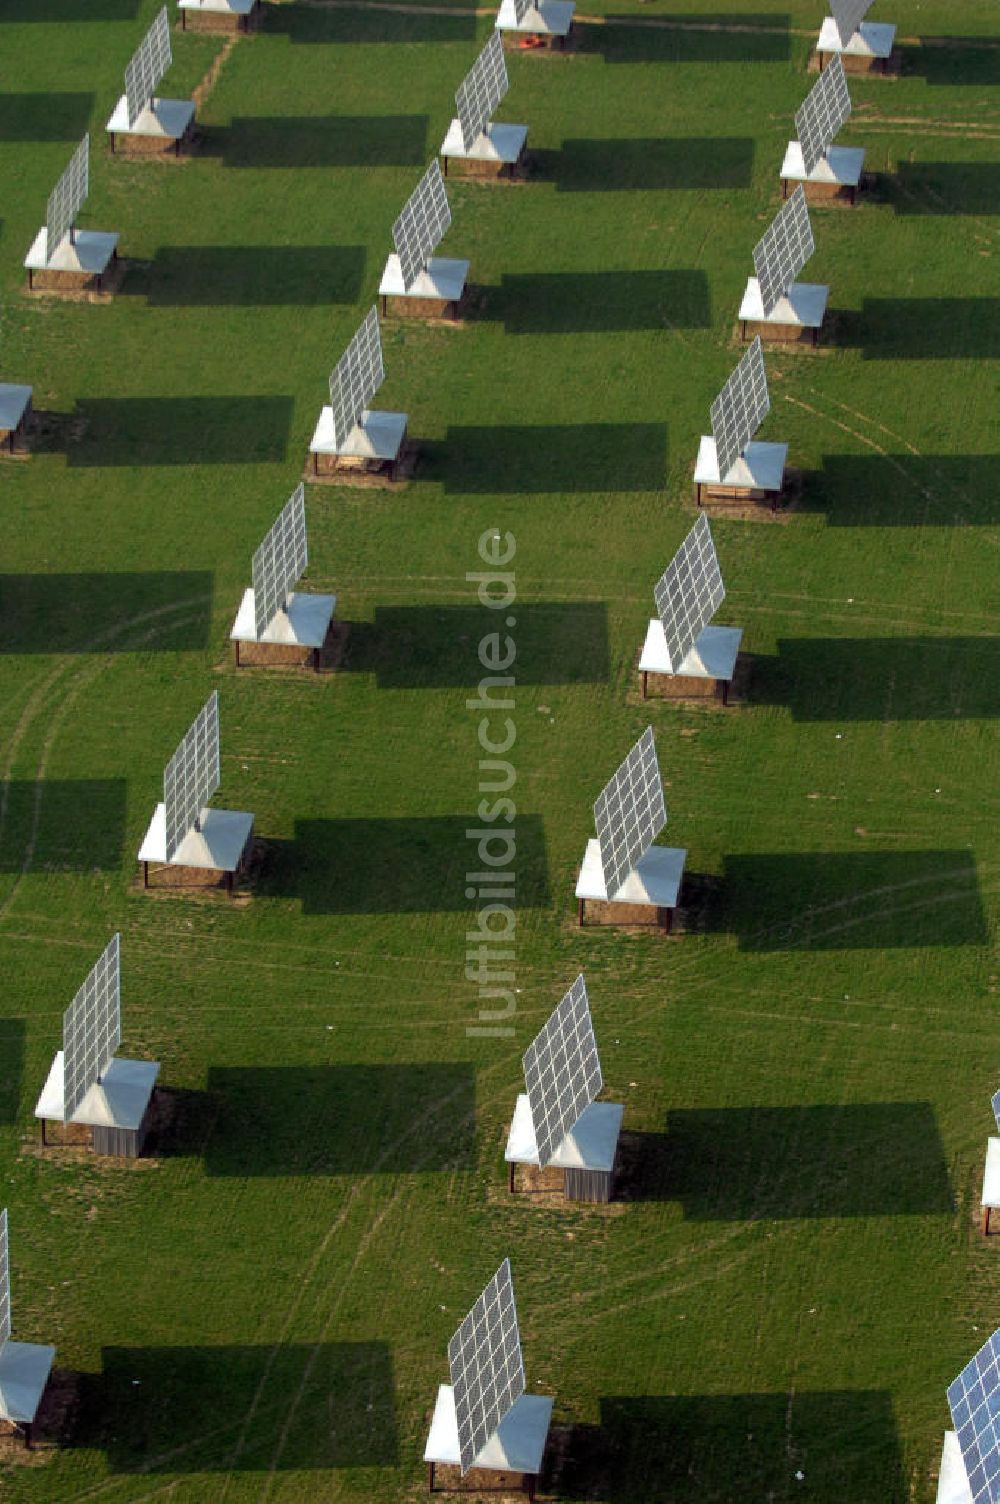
<point>12,1037</point>
<point>942,188</point>
<point>847,900</point>
<point>599,302</point>
<point>177,431</point>
<point>436,647</point>
<point>880,678</point>
<point>651,165</point>
<point>406,865</point>
<point>300,276</point>
<point>310,25</point>
<point>138,1409</point>
<point>697,38</point>
<point>43,117</point>
<point>80,824</point>
<point>922,328</point>
<point>341,1119</point>
<point>75,613</point>
<point>827,1446</point>
<point>320,141</point>
<point>549,459</point>
<point>951,61</point>
<point>906,490</point>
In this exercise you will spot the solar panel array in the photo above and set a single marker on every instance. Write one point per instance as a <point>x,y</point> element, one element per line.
<point>689,592</point>
<point>562,1071</point>
<point>280,561</point>
<point>783,250</point>
<point>630,812</point>
<point>822,113</point>
<point>4,1281</point>
<point>421,226</point>
<point>521,9</point>
<point>848,16</point>
<point>356,378</point>
<point>484,86</point>
<point>974,1402</point>
<point>192,775</point>
<point>92,1029</point>
<point>487,1371</point>
<point>68,197</point>
<point>151,60</point>
<point>740,408</point>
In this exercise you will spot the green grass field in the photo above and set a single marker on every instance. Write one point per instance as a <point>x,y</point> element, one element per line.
<point>261,1310</point>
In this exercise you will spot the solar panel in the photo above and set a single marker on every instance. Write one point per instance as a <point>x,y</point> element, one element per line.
<point>783,251</point>
<point>996,1108</point>
<point>823,111</point>
<point>192,775</point>
<point>689,592</point>
<point>740,408</point>
<point>92,1029</point>
<point>487,1372</point>
<point>521,9</point>
<point>630,812</point>
<point>68,197</point>
<point>4,1281</point>
<point>280,561</point>
<point>848,16</point>
<point>484,86</point>
<point>562,1071</point>
<point>974,1401</point>
<point>356,378</point>
<point>150,61</point>
<point>421,226</point>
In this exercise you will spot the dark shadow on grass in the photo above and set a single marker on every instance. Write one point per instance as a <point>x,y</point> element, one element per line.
<point>296,142</point>
<point>939,188</point>
<point>599,302</point>
<point>80,824</point>
<point>43,117</point>
<point>741,1164</point>
<point>552,459</point>
<point>406,865</point>
<point>692,1448</point>
<point>436,647</point>
<point>143,1409</point>
<point>951,61</point>
<point>106,431</point>
<point>653,164</point>
<point>209,276</point>
<point>76,613</point>
<point>880,678</point>
<point>922,329</point>
<point>12,1036</point>
<point>341,1119</point>
<point>696,38</point>
<point>309,25</point>
<point>847,900</point>
<point>906,490</point>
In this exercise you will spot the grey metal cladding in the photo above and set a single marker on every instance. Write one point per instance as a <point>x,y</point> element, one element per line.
<point>848,16</point>
<point>150,61</point>
<point>974,1402</point>
<point>487,1370</point>
<point>92,1029</point>
<point>740,408</point>
<point>356,378</point>
<point>67,198</point>
<point>280,561</point>
<point>630,812</point>
<point>483,88</point>
<point>562,1071</point>
<point>4,1281</point>
<point>192,775</point>
<point>421,226</point>
<point>689,592</point>
<point>783,250</point>
<point>822,113</point>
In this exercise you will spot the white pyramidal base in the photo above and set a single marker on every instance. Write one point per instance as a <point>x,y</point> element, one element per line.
<point>442,278</point>
<point>166,118</point>
<point>303,623</point>
<point>502,144</point>
<point>118,1100</point>
<point>378,436</point>
<point>218,846</point>
<point>713,656</point>
<point>85,252</point>
<point>873,39</point>
<point>24,1373</point>
<point>548,18</point>
<point>517,1445</point>
<point>802,307</point>
<point>991,1174</point>
<point>655,881</point>
<point>761,467</point>
<point>841,167</point>
<point>591,1143</point>
<point>14,403</point>
<point>953,1481</point>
